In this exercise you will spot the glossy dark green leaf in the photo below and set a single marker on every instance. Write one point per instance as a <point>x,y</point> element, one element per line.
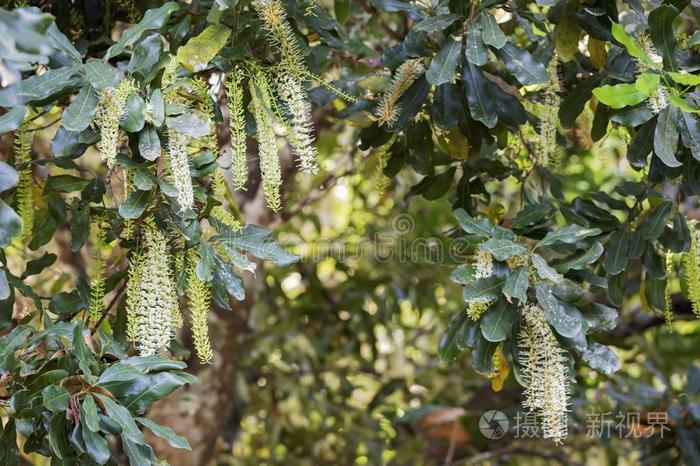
<point>642,145</point>
<point>152,19</point>
<point>411,102</point>
<point>134,116</point>
<point>436,23</point>
<point>95,445</point>
<point>101,74</point>
<point>475,50</point>
<point>616,256</point>
<point>447,105</point>
<point>123,417</point>
<point>601,358</point>
<point>482,355</point>
<point>502,249</point>
<point>12,120</point>
<point>166,433</point>
<point>255,239</point>
<point>581,260</point>
<point>9,453</point>
<point>516,284</point>
<point>656,223</point>
<point>55,398</point>
<point>8,177</point>
<point>444,65</point>
<point>146,55</point>
<point>134,205</point>
<point>522,65</point>
<point>483,289</point>
<point>79,114</point>
<point>62,43</point>
<point>491,34</point>
<point>496,324</point>
<point>662,34</point>
<point>690,133</point>
<point>88,414</point>
<point>10,224</point>
<point>189,125</point>
<point>565,319</point>
<point>447,346</point>
<point>480,98</point>
<point>225,276</point>
<point>666,136</point>
<point>39,88</point>
<point>570,235</point>
<point>65,183</point>
<point>544,270</point>
<point>572,106</point>
<point>600,318</point>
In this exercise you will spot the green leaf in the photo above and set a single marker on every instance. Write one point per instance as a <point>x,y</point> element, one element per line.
<point>81,351</point>
<point>149,143</point>
<point>224,275</point>
<point>666,136</point>
<point>255,240</point>
<point>444,65</point>
<point>166,433</point>
<point>522,65</point>
<point>647,83</point>
<point>491,34</point>
<point>690,133</point>
<point>123,417</point>
<point>481,227</point>
<point>152,19</point>
<point>154,363</point>
<point>580,261</point>
<point>12,120</point>
<point>9,453</point>
<point>619,95</point>
<point>88,414</point>
<point>618,32</point>
<point>134,117</point>
<point>475,50</point>
<point>517,283</point>
<point>134,205</point>
<point>483,289</point>
<point>570,235</point>
<point>189,125</point>
<point>5,290</point>
<point>55,398</point>
<point>61,42</point>
<point>544,270</point>
<point>436,23</point>
<point>447,346</point>
<point>482,355</point>
<point>64,183</point>
<point>502,249</point>
<point>200,50</point>
<point>38,88</point>
<point>616,256</point>
<point>662,34</point>
<point>100,74</point>
<point>655,225</point>
<point>600,318</point>
<point>10,224</point>
<point>118,372</point>
<point>565,319</point>
<point>95,444</point>
<point>601,358</point>
<point>685,79</point>
<point>79,114</point>
<point>57,436</point>
<point>480,98</point>
<point>575,102</point>
<point>8,177</point>
<point>498,321</point>
<point>679,102</point>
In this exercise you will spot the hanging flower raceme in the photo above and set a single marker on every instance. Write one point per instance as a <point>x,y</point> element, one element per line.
<point>25,184</point>
<point>691,268</point>
<point>280,34</point>
<point>157,294</point>
<point>668,304</point>
<point>548,150</point>
<point>658,100</point>
<point>294,96</point>
<point>110,109</point>
<point>545,371</point>
<point>219,212</point>
<point>180,168</point>
<point>133,294</point>
<point>205,106</point>
<point>97,279</point>
<point>198,297</point>
<point>388,109</point>
<point>239,152</point>
<point>270,170</point>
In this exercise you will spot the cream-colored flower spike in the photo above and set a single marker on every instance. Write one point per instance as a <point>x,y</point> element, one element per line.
<point>180,169</point>
<point>270,170</point>
<point>157,295</point>
<point>239,151</point>
<point>388,109</point>
<point>294,95</point>
<point>274,18</point>
<point>546,373</point>
<point>25,185</point>
<point>109,111</point>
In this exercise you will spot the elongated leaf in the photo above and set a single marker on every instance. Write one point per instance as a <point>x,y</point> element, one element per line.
<point>544,270</point>
<point>200,50</point>
<point>255,240</point>
<point>656,223</point>
<point>101,74</point>
<point>447,346</point>
<point>685,79</point>
<point>61,42</point>
<point>443,66</point>
<point>517,283</point>
<point>134,205</point>
<point>436,23</point>
<point>483,289</point>
<point>95,444</point>
<point>522,65</point>
<point>475,50</point>
<point>38,88</point>
<point>498,321</point>
<point>123,417</point>
<point>666,136</point>
<point>55,398</point>
<point>616,256</point>
<point>480,98</point>
<point>601,358</point>
<point>662,35</point>
<point>579,262</point>
<point>88,414</point>
<point>570,235</point>
<point>619,95</point>
<point>12,120</point>
<point>618,32</point>
<point>80,112</point>
<point>491,34</point>
<point>574,103</point>
<point>166,433</point>
<point>565,319</point>
<point>690,133</point>
<point>502,249</point>
<point>152,19</point>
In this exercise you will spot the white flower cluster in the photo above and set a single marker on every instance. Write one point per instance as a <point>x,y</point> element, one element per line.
<point>388,108</point>
<point>109,112</point>
<point>293,94</point>
<point>483,265</point>
<point>545,371</point>
<point>659,99</point>
<point>180,169</point>
<point>157,296</point>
